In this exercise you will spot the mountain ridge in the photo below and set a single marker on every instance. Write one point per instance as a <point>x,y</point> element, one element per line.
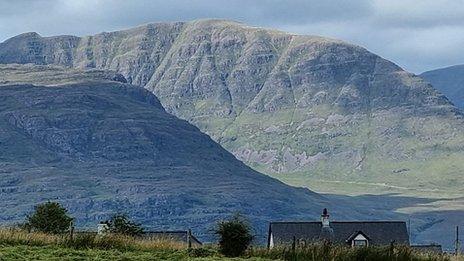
<point>311,107</point>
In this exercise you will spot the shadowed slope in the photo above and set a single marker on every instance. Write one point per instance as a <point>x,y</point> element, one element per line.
<point>450,81</point>
<point>106,147</point>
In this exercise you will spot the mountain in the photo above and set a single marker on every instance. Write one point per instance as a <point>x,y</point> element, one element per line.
<point>102,146</point>
<point>306,109</point>
<point>450,81</point>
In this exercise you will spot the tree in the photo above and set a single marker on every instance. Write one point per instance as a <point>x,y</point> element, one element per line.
<point>120,224</point>
<point>234,236</point>
<point>49,217</point>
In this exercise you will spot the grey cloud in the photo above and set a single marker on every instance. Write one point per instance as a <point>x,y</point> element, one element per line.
<point>418,14</point>
<point>12,8</point>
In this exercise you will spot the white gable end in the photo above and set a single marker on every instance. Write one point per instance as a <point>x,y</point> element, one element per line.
<point>271,241</point>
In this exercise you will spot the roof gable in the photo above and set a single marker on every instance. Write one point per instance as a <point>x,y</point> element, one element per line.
<point>358,235</point>
<point>378,232</point>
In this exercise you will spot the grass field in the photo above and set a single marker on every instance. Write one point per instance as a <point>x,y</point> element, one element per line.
<point>24,252</point>
<point>20,245</point>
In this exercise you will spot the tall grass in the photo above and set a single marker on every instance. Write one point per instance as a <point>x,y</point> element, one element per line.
<point>316,252</point>
<point>13,236</point>
<point>326,252</point>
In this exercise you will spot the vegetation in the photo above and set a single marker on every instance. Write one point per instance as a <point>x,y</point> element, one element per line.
<point>19,244</point>
<point>122,225</point>
<point>342,253</point>
<point>49,217</point>
<point>234,236</point>
<point>42,242</point>
<point>12,237</point>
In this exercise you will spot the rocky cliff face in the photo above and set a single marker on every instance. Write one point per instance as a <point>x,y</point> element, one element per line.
<point>102,147</point>
<point>449,81</point>
<point>315,108</point>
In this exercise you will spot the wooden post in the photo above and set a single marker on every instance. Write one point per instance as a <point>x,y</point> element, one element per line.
<point>457,247</point>
<point>189,238</point>
<point>409,230</point>
<point>293,246</point>
<point>71,230</point>
<point>391,249</point>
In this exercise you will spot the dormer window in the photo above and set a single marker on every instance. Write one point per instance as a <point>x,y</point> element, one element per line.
<point>358,239</point>
<point>362,242</point>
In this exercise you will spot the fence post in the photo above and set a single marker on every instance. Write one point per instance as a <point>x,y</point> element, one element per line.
<point>189,238</point>
<point>71,230</point>
<point>391,249</point>
<point>457,246</point>
<point>293,248</point>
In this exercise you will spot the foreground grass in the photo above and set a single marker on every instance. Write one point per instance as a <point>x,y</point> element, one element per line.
<point>61,253</point>
<point>342,253</point>
<point>20,245</point>
<point>52,253</point>
<point>14,237</point>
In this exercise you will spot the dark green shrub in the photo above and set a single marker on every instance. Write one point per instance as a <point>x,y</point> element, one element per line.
<point>49,217</point>
<point>120,224</point>
<point>234,236</point>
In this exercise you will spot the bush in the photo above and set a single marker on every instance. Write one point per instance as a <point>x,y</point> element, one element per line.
<point>49,217</point>
<point>120,224</point>
<point>234,236</point>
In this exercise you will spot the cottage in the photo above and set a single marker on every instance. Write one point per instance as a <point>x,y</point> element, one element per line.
<point>351,233</point>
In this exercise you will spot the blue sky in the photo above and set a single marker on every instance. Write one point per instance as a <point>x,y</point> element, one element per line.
<point>418,35</point>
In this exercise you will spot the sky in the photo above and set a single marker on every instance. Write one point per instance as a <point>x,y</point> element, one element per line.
<point>418,35</point>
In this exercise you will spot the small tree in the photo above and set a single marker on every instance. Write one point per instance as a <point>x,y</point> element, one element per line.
<point>234,236</point>
<point>120,224</point>
<point>49,217</point>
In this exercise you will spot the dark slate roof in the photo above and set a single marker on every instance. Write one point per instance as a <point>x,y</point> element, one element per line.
<point>178,236</point>
<point>378,232</point>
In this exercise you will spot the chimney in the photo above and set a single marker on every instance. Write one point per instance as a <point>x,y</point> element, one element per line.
<point>325,218</point>
<point>102,228</point>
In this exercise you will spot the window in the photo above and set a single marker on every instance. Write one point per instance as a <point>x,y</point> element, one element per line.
<point>359,242</point>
